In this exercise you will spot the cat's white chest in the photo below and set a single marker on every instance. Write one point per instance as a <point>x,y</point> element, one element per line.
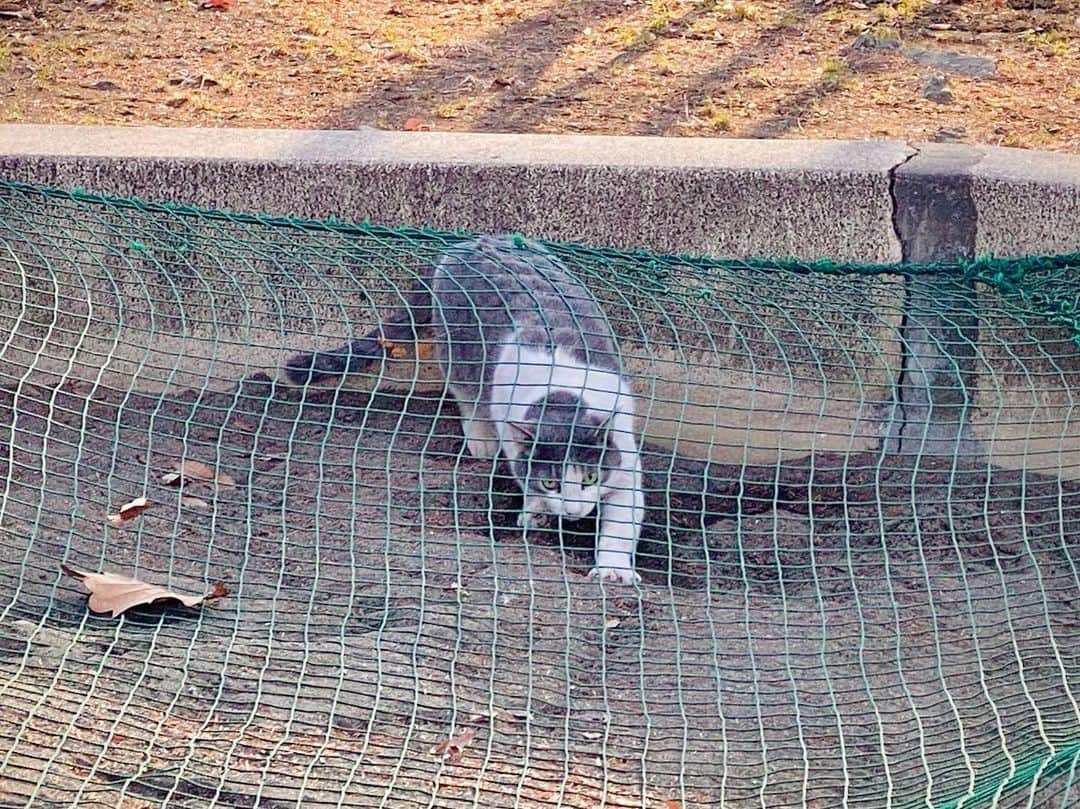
<point>523,375</point>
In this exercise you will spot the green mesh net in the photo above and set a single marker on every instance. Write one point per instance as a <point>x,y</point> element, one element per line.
<point>859,552</point>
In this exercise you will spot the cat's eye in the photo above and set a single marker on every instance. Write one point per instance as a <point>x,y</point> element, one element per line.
<point>590,479</point>
<point>549,484</point>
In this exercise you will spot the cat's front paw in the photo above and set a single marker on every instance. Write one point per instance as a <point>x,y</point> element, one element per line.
<point>482,447</point>
<point>617,575</point>
<point>531,519</point>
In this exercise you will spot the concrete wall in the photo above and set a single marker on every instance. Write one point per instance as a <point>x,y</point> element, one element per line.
<point>780,365</point>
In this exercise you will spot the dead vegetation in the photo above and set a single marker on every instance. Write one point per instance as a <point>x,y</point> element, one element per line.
<point>655,67</point>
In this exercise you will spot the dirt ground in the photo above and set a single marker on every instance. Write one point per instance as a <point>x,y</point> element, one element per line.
<point>816,654</point>
<point>811,68</point>
<point>834,630</point>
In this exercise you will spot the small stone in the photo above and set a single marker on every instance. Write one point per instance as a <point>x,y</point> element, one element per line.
<point>947,134</point>
<point>103,85</point>
<point>869,42</point>
<point>936,88</point>
<point>961,64</point>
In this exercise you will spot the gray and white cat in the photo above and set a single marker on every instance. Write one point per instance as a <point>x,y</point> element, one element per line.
<point>534,367</point>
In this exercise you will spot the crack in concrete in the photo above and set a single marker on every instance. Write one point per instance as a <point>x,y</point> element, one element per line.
<point>893,170</point>
<point>897,412</point>
<point>934,219</point>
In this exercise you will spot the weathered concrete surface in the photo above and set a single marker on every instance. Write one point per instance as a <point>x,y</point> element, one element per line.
<point>721,197</point>
<point>771,365</point>
<point>807,199</point>
<point>1027,203</point>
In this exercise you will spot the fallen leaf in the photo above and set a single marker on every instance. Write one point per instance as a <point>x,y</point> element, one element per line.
<point>198,472</point>
<point>194,502</point>
<point>452,748</point>
<point>200,81</point>
<point>415,124</point>
<point>114,594</point>
<point>672,804</point>
<point>216,5</point>
<point>129,511</point>
<point>611,623</point>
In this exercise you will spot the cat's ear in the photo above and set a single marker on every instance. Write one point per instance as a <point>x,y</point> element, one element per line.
<point>521,433</point>
<point>602,428</point>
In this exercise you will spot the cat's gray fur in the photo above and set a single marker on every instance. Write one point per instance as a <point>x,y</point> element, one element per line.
<point>534,367</point>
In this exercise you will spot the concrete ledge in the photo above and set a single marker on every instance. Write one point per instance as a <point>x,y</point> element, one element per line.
<point>780,365</point>
<point>1027,203</point>
<point>807,199</point>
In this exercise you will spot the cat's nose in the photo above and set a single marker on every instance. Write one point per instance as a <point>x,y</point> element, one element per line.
<point>577,508</point>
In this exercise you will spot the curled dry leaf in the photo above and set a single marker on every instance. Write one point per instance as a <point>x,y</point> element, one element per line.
<point>415,124</point>
<point>452,748</point>
<point>129,511</point>
<point>112,593</point>
<point>198,472</point>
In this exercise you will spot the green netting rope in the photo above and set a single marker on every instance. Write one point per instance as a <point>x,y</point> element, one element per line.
<point>860,540</point>
<point>1006,275</point>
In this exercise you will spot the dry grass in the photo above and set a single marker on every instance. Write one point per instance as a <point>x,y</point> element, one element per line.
<point>663,67</point>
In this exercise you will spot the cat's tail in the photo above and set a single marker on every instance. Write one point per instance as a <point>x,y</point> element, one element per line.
<point>356,356</point>
<point>352,358</point>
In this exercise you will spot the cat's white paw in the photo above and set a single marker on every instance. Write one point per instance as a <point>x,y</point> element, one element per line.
<point>531,519</point>
<point>618,575</point>
<point>482,447</point>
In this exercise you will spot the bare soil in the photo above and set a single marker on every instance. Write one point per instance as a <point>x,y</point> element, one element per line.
<point>665,67</point>
<point>838,630</point>
<point>381,603</point>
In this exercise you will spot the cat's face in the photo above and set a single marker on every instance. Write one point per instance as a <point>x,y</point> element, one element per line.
<point>565,458</point>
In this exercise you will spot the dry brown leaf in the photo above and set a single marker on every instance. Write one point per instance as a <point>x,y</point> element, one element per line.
<point>672,804</point>
<point>129,511</point>
<point>112,593</point>
<point>415,124</point>
<point>194,502</point>
<point>196,472</point>
<point>452,748</point>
